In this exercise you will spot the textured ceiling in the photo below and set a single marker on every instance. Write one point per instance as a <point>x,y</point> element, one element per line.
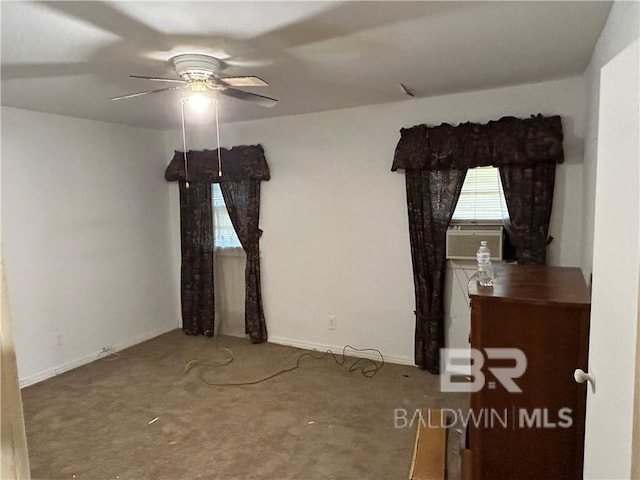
<point>70,57</point>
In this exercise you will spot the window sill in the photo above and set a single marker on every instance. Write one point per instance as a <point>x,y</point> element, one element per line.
<point>230,252</point>
<point>454,223</point>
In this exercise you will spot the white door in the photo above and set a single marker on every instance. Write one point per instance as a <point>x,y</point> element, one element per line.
<point>616,254</point>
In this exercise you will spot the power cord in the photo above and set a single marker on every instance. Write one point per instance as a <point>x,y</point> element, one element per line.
<point>455,267</point>
<point>368,371</point>
<point>223,363</point>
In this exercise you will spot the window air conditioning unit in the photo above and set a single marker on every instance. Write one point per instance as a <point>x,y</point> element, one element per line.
<point>463,241</point>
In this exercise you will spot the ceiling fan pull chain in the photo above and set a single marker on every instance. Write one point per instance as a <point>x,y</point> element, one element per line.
<point>184,145</point>
<point>218,140</point>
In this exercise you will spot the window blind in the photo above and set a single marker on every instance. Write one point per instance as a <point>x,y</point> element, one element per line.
<point>482,197</point>
<point>224,233</point>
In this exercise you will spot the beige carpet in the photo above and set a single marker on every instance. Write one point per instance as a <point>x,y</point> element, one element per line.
<point>318,422</point>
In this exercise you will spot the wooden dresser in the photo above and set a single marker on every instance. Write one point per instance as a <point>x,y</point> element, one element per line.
<point>543,311</point>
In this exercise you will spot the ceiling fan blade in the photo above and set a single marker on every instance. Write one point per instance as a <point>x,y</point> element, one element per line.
<point>250,97</point>
<point>148,92</point>
<point>158,79</point>
<point>245,81</point>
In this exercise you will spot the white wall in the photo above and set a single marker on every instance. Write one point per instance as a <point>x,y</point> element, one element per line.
<point>86,238</point>
<point>620,30</point>
<point>334,216</point>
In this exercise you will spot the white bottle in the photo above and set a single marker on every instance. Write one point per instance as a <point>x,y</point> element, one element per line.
<point>485,269</point>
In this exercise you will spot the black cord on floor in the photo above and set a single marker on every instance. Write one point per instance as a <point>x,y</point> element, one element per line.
<point>367,367</point>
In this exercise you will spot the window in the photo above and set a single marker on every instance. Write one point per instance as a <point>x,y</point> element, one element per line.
<point>481,198</point>
<point>224,233</point>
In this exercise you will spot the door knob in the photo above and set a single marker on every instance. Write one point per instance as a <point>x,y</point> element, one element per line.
<point>580,376</point>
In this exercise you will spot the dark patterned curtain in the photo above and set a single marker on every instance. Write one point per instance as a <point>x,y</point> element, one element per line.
<point>244,166</point>
<point>238,163</point>
<point>529,195</point>
<point>432,196</point>
<point>196,275</point>
<point>243,203</point>
<point>435,160</point>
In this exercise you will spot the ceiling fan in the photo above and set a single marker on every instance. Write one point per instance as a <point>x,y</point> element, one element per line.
<point>199,74</point>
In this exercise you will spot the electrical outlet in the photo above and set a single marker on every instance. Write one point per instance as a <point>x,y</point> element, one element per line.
<point>59,340</point>
<point>333,324</point>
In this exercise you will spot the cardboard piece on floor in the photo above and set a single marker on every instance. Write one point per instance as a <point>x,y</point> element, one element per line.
<point>430,451</point>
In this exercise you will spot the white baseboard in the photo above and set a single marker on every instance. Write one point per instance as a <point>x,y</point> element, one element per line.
<point>338,350</point>
<point>52,372</point>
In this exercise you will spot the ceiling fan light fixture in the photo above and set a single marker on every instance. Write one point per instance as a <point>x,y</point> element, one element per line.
<point>199,102</point>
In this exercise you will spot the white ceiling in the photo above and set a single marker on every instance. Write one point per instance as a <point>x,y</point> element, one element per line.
<point>70,57</point>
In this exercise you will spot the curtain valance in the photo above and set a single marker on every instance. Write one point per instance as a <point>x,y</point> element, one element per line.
<point>239,163</point>
<point>509,141</point>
